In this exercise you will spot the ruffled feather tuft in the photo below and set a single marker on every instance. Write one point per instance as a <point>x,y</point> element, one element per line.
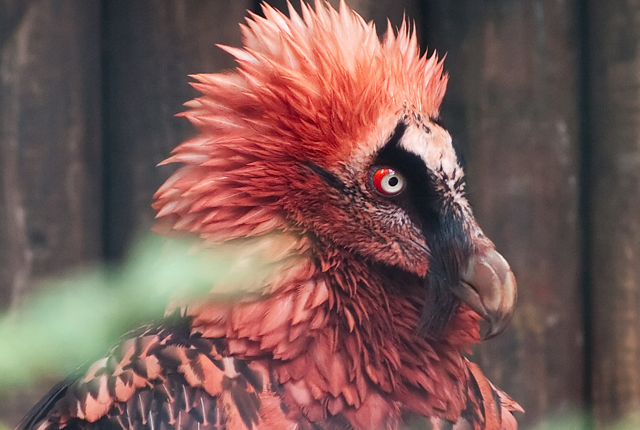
<point>308,88</point>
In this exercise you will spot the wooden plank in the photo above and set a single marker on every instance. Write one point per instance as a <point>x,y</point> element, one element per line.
<point>150,48</point>
<point>615,205</point>
<point>512,102</point>
<point>50,145</point>
<point>50,141</point>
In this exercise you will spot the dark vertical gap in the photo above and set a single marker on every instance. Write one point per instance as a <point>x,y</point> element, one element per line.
<point>281,5</point>
<point>106,198</point>
<point>257,8</point>
<point>110,229</point>
<point>424,10</point>
<point>585,204</point>
<point>117,187</point>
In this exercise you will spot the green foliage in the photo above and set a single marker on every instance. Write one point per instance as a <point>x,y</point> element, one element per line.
<point>581,421</point>
<point>75,319</point>
<point>569,421</point>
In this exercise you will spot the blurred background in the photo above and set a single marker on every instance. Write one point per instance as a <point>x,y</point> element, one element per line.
<point>543,100</point>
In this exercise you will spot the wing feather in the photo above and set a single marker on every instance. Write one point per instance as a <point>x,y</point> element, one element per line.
<point>163,378</point>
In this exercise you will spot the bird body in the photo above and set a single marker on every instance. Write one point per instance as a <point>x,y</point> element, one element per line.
<point>322,153</point>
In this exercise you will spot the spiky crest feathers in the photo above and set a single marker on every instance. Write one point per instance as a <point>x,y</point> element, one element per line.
<point>317,87</point>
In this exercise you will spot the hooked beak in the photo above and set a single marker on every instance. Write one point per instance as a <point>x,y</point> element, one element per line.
<point>488,286</point>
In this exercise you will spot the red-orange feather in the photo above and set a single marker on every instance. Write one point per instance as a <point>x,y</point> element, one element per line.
<point>331,338</point>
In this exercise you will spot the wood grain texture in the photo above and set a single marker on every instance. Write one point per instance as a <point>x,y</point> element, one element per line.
<point>151,46</point>
<point>615,207</point>
<point>49,141</point>
<point>512,104</point>
<point>50,150</point>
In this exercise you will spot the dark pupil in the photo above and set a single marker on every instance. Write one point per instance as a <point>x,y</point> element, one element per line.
<point>393,181</point>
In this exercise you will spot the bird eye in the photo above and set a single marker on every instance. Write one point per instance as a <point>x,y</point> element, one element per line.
<point>388,182</point>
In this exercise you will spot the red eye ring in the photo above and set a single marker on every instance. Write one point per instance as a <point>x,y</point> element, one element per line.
<point>388,182</point>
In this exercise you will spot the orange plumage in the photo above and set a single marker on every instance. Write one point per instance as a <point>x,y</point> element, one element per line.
<point>322,152</point>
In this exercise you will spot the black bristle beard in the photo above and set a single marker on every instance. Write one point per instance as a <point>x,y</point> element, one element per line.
<point>439,307</point>
<point>449,252</point>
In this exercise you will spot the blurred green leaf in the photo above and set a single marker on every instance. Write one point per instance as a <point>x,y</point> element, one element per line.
<point>569,421</point>
<point>77,318</point>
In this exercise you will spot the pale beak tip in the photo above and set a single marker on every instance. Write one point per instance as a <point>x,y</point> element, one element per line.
<point>496,326</point>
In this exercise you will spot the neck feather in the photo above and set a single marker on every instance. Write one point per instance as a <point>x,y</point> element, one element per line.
<point>348,328</point>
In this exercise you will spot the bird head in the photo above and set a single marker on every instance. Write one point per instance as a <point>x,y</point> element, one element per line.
<point>327,131</point>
